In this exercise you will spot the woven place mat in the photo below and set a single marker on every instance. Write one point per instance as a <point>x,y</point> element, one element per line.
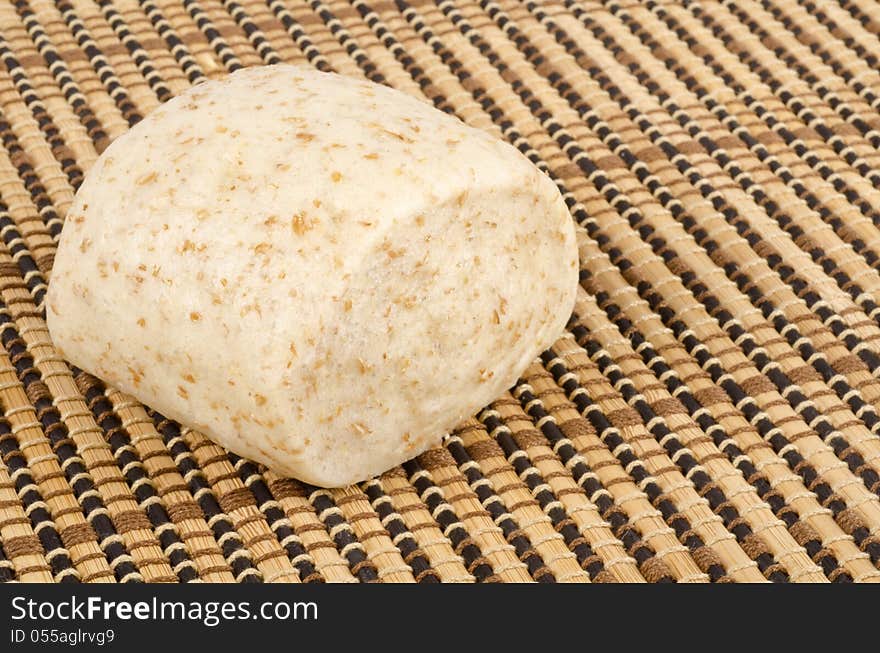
<point>712,412</point>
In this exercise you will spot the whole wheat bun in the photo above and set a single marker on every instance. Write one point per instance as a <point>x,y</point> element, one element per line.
<point>321,274</point>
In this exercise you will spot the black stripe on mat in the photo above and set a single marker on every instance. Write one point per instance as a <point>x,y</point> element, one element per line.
<point>344,537</point>
<point>562,522</point>
<point>462,543</point>
<point>65,448</point>
<point>237,556</point>
<point>60,72</point>
<point>136,476</point>
<point>277,520</point>
<point>514,535</point>
<point>33,504</point>
<point>403,539</point>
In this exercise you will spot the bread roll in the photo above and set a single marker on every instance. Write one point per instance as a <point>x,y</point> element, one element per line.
<point>321,274</point>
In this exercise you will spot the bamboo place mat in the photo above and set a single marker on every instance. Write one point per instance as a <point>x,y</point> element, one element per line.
<point>712,412</point>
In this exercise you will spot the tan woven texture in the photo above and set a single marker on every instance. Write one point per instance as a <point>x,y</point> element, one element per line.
<point>711,414</point>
